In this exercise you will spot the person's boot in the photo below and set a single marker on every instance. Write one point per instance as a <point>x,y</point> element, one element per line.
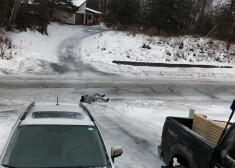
<point>103,95</point>
<point>107,100</point>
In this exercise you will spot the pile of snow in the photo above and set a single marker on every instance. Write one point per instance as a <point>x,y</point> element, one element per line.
<point>37,50</point>
<point>100,50</point>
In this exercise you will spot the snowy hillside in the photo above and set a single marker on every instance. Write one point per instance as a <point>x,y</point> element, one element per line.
<point>37,50</point>
<point>100,50</point>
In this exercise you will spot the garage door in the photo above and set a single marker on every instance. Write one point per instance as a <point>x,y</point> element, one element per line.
<point>79,19</point>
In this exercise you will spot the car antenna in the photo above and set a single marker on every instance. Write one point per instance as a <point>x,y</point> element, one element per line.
<point>231,116</point>
<point>57,101</point>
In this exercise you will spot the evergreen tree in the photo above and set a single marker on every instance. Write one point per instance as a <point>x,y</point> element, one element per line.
<point>123,13</point>
<point>5,11</point>
<point>32,14</point>
<point>168,15</point>
<point>225,22</point>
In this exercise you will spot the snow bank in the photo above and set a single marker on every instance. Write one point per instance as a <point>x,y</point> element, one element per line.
<point>37,50</point>
<point>100,50</point>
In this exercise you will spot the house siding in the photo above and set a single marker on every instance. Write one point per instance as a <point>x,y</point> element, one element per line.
<point>84,16</point>
<point>82,9</point>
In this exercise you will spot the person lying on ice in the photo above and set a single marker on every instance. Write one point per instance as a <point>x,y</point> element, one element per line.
<point>89,99</point>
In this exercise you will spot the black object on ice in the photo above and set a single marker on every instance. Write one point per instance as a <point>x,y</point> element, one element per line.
<point>57,101</point>
<point>231,116</point>
<point>233,105</point>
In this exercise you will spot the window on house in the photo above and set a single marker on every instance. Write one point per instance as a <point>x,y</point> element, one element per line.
<point>89,17</point>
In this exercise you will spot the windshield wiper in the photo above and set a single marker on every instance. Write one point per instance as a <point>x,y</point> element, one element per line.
<point>4,165</point>
<point>77,167</point>
<point>8,166</point>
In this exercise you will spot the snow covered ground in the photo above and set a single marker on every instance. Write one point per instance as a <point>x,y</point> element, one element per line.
<point>101,49</point>
<point>37,50</point>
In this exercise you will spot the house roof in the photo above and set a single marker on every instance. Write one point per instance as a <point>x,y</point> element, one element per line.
<point>78,3</point>
<point>93,11</point>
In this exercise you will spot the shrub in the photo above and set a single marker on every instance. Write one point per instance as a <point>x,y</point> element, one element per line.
<point>5,46</point>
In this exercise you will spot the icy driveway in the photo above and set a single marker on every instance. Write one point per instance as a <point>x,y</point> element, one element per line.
<point>69,54</point>
<point>133,118</point>
<point>59,51</point>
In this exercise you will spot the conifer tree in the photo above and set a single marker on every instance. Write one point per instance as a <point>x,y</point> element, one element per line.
<point>123,13</point>
<point>5,11</point>
<point>168,15</point>
<point>225,19</point>
<point>36,14</point>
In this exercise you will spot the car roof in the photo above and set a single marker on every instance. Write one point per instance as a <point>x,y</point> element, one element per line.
<point>47,114</point>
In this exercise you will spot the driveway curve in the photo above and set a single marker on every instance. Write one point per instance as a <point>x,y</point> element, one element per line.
<point>69,54</point>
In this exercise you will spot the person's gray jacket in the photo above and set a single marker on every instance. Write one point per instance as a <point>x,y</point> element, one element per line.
<point>88,99</point>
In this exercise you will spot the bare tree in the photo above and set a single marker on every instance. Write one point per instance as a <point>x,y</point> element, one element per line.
<point>202,13</point>
<point>231,23</point>
<point>14,12</point>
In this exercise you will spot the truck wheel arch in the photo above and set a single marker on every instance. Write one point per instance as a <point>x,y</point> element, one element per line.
<point>184,156</point>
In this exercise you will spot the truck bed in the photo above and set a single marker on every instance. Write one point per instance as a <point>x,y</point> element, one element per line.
<point>178,131</point>
<point>186,125</point>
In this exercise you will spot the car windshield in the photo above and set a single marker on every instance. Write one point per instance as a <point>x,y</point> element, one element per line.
<point>56,146</point>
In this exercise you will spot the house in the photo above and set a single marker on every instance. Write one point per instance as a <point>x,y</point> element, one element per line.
<point>92,17</point>
<point>83,16</point>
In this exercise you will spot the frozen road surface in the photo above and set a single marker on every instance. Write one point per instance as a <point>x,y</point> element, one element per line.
<point>135,114</point>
